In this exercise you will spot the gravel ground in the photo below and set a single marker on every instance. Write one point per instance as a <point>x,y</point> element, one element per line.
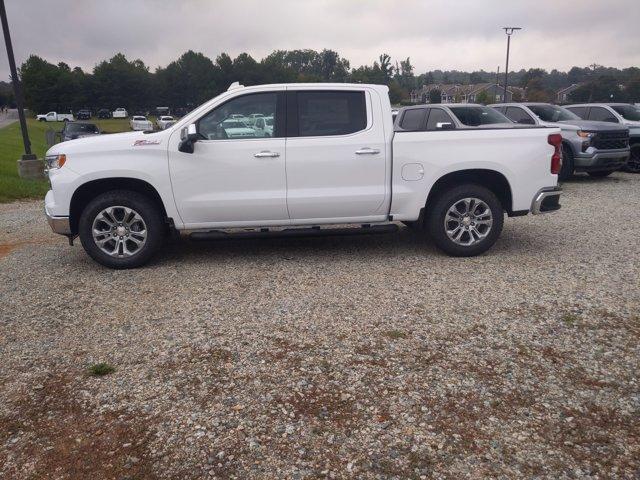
<point>354,357</point>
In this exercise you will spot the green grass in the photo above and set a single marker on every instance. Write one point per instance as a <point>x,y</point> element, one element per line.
<point>12,187</point>
<point>100,369</point>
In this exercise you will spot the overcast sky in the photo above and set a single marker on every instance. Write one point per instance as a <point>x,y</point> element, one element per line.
<point>449,34</point>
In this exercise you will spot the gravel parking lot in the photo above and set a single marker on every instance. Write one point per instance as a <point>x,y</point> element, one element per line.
<point>353,357</point>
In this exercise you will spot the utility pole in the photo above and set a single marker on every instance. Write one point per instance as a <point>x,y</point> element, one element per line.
<point>498,78</point>
<point>509,31</point>
<point>17,88</point>
<point>28,166</point>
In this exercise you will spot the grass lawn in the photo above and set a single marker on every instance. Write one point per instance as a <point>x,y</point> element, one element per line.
<point>12,187</point>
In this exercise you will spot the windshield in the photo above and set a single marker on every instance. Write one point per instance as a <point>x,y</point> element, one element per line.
<point>141,119</point>
<point>166,118</point>
<point>552,113</point>
<point>628,112</point>
<point>81,128</point>
<point>476,116</point>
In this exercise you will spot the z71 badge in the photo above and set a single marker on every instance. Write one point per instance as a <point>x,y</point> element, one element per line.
<point>142,143</point>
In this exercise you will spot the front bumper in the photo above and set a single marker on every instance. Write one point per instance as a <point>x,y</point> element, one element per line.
<point>601,160</point>
<point>59,224</point>
<point>546,200</point>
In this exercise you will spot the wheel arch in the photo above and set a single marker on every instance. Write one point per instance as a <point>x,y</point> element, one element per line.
<point>491,179</point>
<point>90,190</point>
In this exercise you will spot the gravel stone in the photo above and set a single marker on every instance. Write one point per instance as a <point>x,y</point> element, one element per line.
<point>371,357</point>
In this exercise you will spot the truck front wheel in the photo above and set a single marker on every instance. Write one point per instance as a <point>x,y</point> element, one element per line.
<point>121,229</point>
<point>465,221</point>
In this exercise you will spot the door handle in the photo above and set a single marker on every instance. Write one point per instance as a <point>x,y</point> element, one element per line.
<point>266,153</point>
<point>367,151</point>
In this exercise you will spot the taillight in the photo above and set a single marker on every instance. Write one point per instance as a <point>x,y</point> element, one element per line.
<point>555,139</point>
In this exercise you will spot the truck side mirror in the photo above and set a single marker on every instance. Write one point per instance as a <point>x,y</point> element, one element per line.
<point>444,126</point>
<point>189,137</point>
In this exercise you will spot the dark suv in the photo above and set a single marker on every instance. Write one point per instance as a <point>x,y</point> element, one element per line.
<point>103,113</point>
<point>73,130</point>
<point>84,114</point>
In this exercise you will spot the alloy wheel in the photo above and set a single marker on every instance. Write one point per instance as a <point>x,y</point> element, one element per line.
<point>468,221</point>
<point>119,231</point>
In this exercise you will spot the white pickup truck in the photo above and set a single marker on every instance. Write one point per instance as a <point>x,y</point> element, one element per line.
<point>334,158</point>
<point>55,117</point>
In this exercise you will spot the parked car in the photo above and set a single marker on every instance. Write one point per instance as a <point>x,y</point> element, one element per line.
<point>138,122</point>
<point>334,158</point>
<point>164,121</point>
<point>120,113</point>
<point>74,130</point>
<point>620,113</point>
<point>83,114</point>
<point>103,113</point>
<point>55,117</point>
<point>597,148</point>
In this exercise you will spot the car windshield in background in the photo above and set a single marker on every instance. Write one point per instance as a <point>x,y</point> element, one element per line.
<point>552,113</point>
<point>628,112</point>
<point>476,116</point>
<point>82,128</point>
<point>139,119</point>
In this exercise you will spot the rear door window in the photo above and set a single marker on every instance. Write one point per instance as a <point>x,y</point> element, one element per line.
<point>518,115</point>
<point>413,119</point>
<point>580,111</point>
<point>438,117</point>
<point>602,115</point>
<point>323,113</point>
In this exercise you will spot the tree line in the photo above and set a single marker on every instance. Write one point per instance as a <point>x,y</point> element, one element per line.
<point>194,78</point>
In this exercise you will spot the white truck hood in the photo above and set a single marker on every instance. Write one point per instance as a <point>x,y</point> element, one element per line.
<point>111,141</point>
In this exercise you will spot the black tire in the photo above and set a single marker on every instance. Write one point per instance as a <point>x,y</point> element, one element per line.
<point>633,165</point>
<point>566,172</point>
<point>146,209</point>
<point>437,211</point>
<point>601,173</point>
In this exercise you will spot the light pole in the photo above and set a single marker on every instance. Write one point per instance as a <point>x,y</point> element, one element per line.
<point>509,31</point>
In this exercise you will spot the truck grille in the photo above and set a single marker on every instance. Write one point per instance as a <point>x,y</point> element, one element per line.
<point>610,140</point>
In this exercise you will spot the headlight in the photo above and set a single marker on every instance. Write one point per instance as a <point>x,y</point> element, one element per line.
<point>584,134</point>
<point>55,161</point>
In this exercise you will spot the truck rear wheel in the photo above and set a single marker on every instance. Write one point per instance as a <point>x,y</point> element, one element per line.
<point>121,229</point>
<point>633,164</point>
<point>465,221</point>
<point>566,171</point>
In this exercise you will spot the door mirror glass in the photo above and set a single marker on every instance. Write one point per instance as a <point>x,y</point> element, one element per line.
<point>192,132</point>
<point>444,126</point>
<point>189,137</point>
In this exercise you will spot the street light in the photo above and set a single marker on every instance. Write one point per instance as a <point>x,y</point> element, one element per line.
<point>509,31</point>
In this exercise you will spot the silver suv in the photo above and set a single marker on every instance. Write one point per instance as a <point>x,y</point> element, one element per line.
<point>616,113</point>
<point>597,148</point>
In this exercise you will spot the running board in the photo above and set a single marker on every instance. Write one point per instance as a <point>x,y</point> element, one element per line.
<point>295,232</point>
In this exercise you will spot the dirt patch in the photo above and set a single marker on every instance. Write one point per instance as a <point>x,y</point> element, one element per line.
<point>51,433</point>
<point>7,248</point>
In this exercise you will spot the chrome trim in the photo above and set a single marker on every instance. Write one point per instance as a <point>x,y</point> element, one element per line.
<point>539,198</point>
<point>59,224</point>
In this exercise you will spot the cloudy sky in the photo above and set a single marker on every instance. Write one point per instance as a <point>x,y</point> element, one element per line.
<point>448,34</point>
